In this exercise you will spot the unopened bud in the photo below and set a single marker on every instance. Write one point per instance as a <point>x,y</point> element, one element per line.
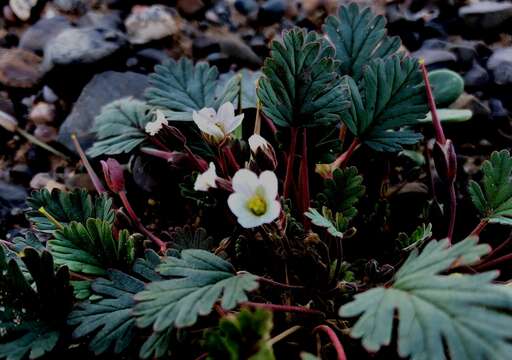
<point>113,173</point>
<point>263,153</point>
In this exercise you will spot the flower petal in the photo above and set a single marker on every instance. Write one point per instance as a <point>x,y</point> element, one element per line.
<point>268,180</point>
<point>231,124</point>
<point>205,121</point>
<point>273,211</point>
<point>249,221</point>
<point>237,204</point>
<point>226,112</point>
<point>206,180</point>
<point>245,182</point>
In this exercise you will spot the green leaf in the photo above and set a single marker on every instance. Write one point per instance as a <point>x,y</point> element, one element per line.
<point>120,127</point>
<point>447,86</point>
<point>449,116</point>
<point>390,96</point>
<point>187,238</point>
<point>468,315</point>
<point>67,206</point>
<point>416,239</point>
<point>245,335</point>
<point>199,280</point>
<point>32,316</point>
<point>92,248</point>
<point>341,194</point>
<point>157,345</point>
<point>494,198</point>
<point>111,319</point>
<point>182,87</point>
<point>324,221</point>
<point>359,37</point>
<point>299,86</point>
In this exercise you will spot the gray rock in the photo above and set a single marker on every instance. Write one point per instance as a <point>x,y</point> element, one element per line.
<point>435,58</point>
<point>486,15</point>
<point>109,20</point>
<point>38,35</point>
<point>476,77</point>
<point>72,6</point>
<point>101,90</point>
<point>500,64</point>
<point>83,46</point>
<point>11,197</point>
<point>149,24</point>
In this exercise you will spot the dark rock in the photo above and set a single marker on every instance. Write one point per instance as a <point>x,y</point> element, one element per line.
<point>476,78</point>
<point>11,197</point>
<point>233,47</point>
<point>101,90</point>
<point>20,174</point>
<point>498,111</point>
<point>436,59</point>
<point>500,64</point>
<point>466,53</point>
<point>486,15</point>
<point>45,133</point>
<point>435,44</point>
<point>146,24</point>
<point>246,7</point>
<point>190,7</point>
<point>83,46</point>
<point>20,68</point>
<point>202,46</point>
<point>38,35</point>
<point>149,57</point>
<point>109,20</point>
<point>272,11</point>
<point>71,6</point>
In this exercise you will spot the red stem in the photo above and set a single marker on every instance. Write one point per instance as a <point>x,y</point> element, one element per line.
<point>343,158</point>
<point>228,152</point>
<point>92,174</point>
<point>493,263</point>
<point>478,229</point>
<point>138,223</point>
<point>453,212</point>
<point>290,160</point>
<point>284,308</point>
<point>334,340</point>
<point>440,137</point>
<point>304,181</point>
<point>499,247</point>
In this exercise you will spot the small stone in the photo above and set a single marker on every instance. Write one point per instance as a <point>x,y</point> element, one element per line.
<point>101,90</point>
<point>202,46</point>
<point>151,23</point>
<point>476,78</point>
<point>11,197</point>
<point>44,180</point>
<point>497,109</point>
<point>486,15</point>
<point>500,64</point>
<point>436,59</point>
<point>9,14</point>
<point>22,8</point>
<point>45,133</point>
<point>42,113</point>
<point>83,46</point>
<point>38,35</point>
<point>20,174</point>
<point>19,68</point>
<point>71,6</point>
<point>49,95</point>
<point>109,20</point>
<point>272,11</point>
<point>190,7</point>
<point>246,7</point>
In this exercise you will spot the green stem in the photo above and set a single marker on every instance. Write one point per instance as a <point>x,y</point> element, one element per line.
<point>41,144</point>
<point>54,221</point>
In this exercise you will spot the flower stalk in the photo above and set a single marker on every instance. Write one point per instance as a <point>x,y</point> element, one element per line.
<point>92,174</point>
<point>289,162</point>
<point>334,340</point>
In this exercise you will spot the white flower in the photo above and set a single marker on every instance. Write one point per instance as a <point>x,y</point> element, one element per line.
<point>253,201</point>
<point>217,125</point>
<point>256,142</point>
<point>153,127</point>
<point>207,179</point>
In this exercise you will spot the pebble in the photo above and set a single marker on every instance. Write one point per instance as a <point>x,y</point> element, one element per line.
<point>272,11</point>
<point>436,59</point>
<point>101,90</point>
<point>20,68</point>
<point>22,8</point>
<point>71,6</point>
<point>151,23</point>
<point>42,113</point>
<point>108,20</point>
<point>497,109</point>
<point>477,77</point>
<point>45,133</point>
<point>500,64</point>
<point>486,15</point>
<point>246,7</point>
<point>83,46</point>
<point>38,35</point>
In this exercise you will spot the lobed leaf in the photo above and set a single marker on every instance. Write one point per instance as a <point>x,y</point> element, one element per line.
<point>199,280</point>
<point>299,85</point>
<point>359,37</point>
<point>494,198</point>
<point>439,316</point>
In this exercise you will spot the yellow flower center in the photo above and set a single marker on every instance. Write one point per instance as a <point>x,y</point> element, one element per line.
<point>257,205</point>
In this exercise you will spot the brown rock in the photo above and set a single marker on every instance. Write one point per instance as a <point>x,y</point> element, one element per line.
<point>19,68</point>
<point>190,7</point>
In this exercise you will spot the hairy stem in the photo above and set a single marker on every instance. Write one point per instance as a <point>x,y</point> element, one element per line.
<point>138,223</point>
<point>290,160</point>
<point>478,229</point>
<point>284,334</point>
<point>453,212</point>
<point>343,158</point>
<point>334,340</point>
<point>304,181</point>
<point>92,174</point>
<point>440,137</point>
<point>493,263</point>
<point>283,308</point>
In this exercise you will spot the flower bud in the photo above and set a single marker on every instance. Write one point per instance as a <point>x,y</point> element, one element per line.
<point>113,173</point>
<point>263,153</point>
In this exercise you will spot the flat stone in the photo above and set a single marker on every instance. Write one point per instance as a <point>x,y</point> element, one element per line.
<point>83,46</point>
<point>500,63</point>
<point>486,15</point>
<point>149,23</point>
<point>38,35</point>
<point>20,68</point>
<point>101,90</point>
